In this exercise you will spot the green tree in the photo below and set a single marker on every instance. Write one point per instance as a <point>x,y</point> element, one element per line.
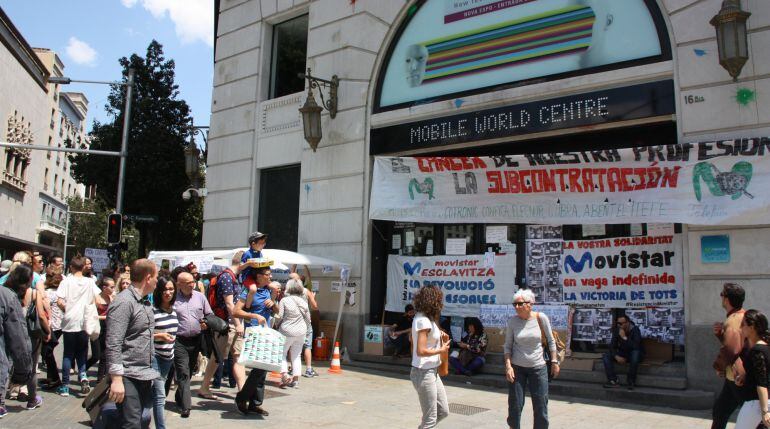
<point>155,171</point>
<point>91,230</point>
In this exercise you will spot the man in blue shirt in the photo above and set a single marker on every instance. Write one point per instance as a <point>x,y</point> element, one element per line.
<point>257,241</point>
<point>255,307</point>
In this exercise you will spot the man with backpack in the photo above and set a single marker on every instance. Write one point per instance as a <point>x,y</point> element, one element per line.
<point>222,294</point>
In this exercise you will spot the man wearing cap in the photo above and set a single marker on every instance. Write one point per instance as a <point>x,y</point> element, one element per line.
<point>257,241</point>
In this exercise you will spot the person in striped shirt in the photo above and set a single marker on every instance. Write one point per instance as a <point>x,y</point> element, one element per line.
<point>164,335</point>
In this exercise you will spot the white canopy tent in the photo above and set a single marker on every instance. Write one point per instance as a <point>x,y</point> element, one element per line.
<point>284,259</point>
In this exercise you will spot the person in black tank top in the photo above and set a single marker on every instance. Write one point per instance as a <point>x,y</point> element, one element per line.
<point>754,412</point>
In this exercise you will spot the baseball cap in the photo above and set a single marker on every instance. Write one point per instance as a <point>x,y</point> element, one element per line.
<point>256,236</point>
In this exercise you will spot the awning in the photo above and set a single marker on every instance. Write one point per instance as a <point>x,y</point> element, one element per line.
<point>13,245</point>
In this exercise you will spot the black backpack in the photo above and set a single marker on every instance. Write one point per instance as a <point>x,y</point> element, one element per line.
<point>34,327</point>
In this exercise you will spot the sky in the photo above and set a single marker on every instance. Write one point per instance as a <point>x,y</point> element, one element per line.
<point>91,35</point>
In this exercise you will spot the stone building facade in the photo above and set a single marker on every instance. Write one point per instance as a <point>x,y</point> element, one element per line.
<point>253,134</point>
<point>36,184</point>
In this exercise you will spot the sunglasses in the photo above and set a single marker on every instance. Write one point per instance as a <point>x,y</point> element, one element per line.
<point>521,304</point>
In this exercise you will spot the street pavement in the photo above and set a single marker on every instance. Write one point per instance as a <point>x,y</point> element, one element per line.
<point>369,399</point>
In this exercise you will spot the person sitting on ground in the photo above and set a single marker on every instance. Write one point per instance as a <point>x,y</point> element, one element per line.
<point>626,347</point>
<point>400,332</point>
<point>473,347</point>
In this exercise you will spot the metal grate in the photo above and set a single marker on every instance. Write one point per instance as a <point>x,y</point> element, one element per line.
<point>465,410</point>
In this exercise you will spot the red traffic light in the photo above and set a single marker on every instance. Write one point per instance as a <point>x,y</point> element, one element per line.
<point>114,228</point>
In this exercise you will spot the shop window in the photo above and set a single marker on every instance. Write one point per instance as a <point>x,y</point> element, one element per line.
<point>460,232</point>
<point>413,239</point>
<point>279,206</point>
<point>289,57</point>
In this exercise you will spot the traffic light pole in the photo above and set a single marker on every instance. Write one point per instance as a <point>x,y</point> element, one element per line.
<point>124,143</point>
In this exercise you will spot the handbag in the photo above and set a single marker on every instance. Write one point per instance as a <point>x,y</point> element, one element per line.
<point>34,328</point>
<point>561,348</point>
<point>91,322</point>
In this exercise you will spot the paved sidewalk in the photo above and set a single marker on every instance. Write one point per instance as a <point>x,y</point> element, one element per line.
<point>366,399</point>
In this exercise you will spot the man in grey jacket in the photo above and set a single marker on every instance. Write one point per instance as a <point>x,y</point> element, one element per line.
<point>15,346</point>
<point>130,323</point>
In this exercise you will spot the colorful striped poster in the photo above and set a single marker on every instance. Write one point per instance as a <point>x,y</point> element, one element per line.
<point>534,38</point>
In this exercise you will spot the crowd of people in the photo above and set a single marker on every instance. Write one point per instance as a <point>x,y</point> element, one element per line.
<point>154,326</point>
<point>147,328</point>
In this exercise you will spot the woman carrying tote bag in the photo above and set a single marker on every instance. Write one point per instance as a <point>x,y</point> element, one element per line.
<point>428,343</point>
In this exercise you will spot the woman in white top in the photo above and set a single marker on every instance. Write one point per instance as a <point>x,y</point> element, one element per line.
<point>428,342</point>
<point>525,365</point>
<point>294,315</point>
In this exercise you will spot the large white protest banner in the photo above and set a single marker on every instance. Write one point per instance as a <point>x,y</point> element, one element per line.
<point>707,183</point>
<point>624,272</point>
<point>100,259</point>
<point>465,281</point>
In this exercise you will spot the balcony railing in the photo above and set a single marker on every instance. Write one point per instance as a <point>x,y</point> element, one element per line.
<point>52,224</point>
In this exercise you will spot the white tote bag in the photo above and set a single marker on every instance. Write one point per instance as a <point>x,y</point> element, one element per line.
<point>91,322</point>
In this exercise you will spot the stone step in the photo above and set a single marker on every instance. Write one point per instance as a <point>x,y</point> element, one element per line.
<point>571,385</point>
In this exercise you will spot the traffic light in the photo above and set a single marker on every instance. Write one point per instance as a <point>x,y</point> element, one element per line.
<point>114,228</point>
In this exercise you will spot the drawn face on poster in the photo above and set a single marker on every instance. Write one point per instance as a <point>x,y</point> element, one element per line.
<point>451,46</point>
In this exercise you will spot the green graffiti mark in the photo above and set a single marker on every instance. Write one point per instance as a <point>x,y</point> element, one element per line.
<point>732,183</point>
<point>744,96</point>
<point>426,187</point>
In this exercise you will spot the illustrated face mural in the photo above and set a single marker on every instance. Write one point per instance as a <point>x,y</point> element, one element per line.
<point>416,56</point>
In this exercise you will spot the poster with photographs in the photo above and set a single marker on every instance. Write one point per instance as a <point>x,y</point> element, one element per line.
<point>664,324</point>
<point>543,270</point>
<point>583,328</point>
<point>603,334</point>
<point>639,317</point>
<point>544,232</point>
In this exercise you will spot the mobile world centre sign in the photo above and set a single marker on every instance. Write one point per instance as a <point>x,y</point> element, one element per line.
<point>594,108</point>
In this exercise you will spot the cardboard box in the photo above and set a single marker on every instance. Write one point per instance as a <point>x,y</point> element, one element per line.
<point>374,336</point>
<point>327,327</point>
<point>495,339</point>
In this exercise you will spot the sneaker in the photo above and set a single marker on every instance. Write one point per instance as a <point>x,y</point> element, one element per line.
<point>293,384</point>
<point>63,391</point>
<point>85,386</point>
<point>3,412</point>
<point>312,371</point>
<point>612,384</point>
<point>37,402</point>
<point>308,373</point>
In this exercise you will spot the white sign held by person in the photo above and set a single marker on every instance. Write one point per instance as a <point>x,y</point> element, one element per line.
<point>464,280</point>
<point>100,259</point>
<point>623,272</point>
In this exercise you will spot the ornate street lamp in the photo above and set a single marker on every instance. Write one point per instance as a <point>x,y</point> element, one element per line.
<point>732,37</point>
<point>311,111</point>
<point>191,163</point>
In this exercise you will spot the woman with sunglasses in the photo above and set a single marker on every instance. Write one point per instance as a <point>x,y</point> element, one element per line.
<point>754,413</point>
<point>428,342</point>
<point>525,364</point>
<point>166,324</point>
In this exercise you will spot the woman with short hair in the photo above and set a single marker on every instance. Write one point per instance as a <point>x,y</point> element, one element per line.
<point>294,315</point>
<point>428,342</point>
<point>525,364</point>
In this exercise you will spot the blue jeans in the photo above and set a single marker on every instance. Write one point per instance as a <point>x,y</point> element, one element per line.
<point>472,366</point>
<point>633,364</point>
<point>163,366</point>
<point>537,380</point>
<point>75,350</point>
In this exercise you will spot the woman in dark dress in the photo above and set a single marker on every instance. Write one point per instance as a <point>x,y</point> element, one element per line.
<point>754,412</point>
